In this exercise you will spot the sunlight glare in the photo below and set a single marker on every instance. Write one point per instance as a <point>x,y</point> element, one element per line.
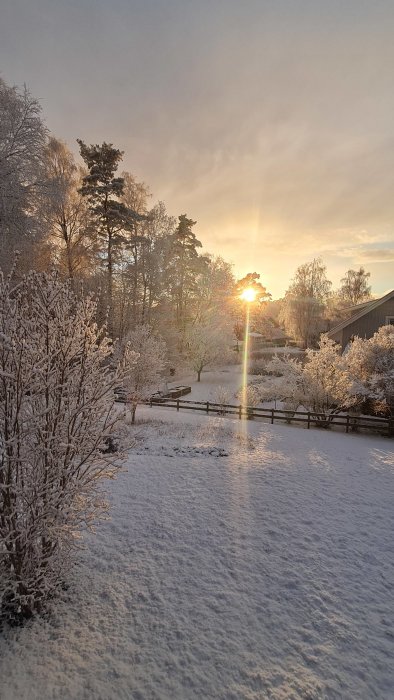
<point>248,294</point>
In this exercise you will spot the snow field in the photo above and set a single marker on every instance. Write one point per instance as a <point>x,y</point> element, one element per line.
<point>241,561</point>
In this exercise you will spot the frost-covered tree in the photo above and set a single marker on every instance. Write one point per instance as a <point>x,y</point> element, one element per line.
<point>246,313</point>
<point>66,211</point>
<point>148,362</point>
<point>305,300</point>
<point>56,400</point>
<point>22,142</point>
<point>214,289</point>
<point>354,287</point>
<point>207,344</point>
<point>183,266</point>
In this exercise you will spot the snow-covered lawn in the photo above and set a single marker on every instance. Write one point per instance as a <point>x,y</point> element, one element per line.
<point>229,377</point>
<point>236,565</point>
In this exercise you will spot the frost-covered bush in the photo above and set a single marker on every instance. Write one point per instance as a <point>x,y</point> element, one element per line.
<point>328,385</point>
<point>258,368</point>
<point>56,399</point>
<point>322,385</point>
<point>329,382</point>
<point>249,395</point>
<point>144,366</point>
<point>370,364</point>
<point>222,396</point>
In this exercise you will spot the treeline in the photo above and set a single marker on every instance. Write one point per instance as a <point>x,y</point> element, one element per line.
<point>98,226</point>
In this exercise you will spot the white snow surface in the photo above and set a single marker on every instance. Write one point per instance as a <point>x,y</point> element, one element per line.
<point>230,378</point>
<point>241,561</point>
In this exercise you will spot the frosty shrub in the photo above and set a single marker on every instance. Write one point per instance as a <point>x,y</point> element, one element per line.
<point>221,396</point>
<point>258,368</point>
<point>147,354</point>
<point>56,400</point>
<point>323,385</point>
<point>250,396</point>
<point>370,363</point>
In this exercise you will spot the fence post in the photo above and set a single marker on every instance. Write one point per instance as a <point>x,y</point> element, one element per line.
<point>309,419</point>
<point>177,404</point>
<point>207,406</point>
<point>272,416</point>
<point>347,423</point>
<point>240,412</point>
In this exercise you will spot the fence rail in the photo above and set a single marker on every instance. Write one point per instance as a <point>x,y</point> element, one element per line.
<point>351,423</point>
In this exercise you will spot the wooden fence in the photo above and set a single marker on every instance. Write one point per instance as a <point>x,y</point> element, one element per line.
<point>351,423</point>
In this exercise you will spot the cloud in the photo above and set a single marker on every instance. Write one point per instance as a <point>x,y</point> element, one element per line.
<point>376,255</point>
<point>268,123</point>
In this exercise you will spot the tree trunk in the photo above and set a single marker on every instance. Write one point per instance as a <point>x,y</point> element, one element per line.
<point>110,284</point>
<point>199,375</point>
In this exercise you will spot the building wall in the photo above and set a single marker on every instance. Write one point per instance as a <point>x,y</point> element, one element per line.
<point>367,325</point>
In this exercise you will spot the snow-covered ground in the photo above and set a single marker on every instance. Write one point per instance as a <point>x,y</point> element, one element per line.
<point>241,561</point>
<point>229,377</point>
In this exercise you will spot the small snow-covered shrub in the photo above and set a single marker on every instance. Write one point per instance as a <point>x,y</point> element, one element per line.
<point>258,369</point>
<point>56,399</point>
<point>250,395</point>
<point>222,396</point>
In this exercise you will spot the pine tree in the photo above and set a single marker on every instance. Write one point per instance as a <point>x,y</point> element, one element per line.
<point>184,265</point>
<point>112,218</point>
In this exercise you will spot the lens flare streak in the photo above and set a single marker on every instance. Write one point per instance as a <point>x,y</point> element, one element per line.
<point>244,393</point>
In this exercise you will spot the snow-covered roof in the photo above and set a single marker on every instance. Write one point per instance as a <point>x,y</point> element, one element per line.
<point>364,309</point>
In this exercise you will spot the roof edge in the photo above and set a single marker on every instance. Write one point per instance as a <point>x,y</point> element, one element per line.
<point>361,313</point>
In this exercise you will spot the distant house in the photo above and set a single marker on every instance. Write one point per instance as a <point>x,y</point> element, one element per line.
<point>365,320</point>
<point>255,341</point>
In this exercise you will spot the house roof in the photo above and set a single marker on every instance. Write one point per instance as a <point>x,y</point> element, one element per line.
<point>364,309</point>
<point>357,307</point>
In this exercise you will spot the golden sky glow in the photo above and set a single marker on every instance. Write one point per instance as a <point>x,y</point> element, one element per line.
<point>269,123</point>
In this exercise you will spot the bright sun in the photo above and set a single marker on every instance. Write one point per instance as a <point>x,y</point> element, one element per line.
<point>248,294</point>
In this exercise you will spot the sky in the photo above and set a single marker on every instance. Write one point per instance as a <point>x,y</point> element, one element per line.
<point>269,122</point>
